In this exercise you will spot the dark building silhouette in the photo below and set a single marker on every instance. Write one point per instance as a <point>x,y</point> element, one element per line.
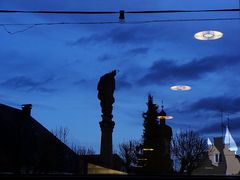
<point>165,136</point>
<point>155,156</point>
<point>106,87</point>
<point>28,147</point>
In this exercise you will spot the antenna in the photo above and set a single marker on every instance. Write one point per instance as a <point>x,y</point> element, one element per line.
<point>221,121</point>
<point>228,120</point>
<point>228,127</point>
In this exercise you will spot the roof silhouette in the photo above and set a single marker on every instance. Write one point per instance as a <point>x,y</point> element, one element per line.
<point>26,145</point>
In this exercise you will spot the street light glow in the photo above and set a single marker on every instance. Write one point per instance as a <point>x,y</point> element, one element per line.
<point>148,149</point>
<point>165,117</point>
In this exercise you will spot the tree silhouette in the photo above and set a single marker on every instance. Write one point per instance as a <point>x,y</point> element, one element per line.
<point>190,149</point>
<point>82,150</point>
<point>150,123</point>
<point>61,133</point>
<point>128,151</point>
<point>155,148</point>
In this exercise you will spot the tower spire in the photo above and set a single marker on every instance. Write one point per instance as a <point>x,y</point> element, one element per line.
<point>230,141</point>
<point>162,115</point>
<point>228,121</point>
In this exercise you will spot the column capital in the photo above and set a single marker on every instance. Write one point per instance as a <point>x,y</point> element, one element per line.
<point>107,124</point>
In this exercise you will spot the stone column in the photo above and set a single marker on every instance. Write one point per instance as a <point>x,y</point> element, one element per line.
<point>106,87</point>
<point>106,141</point>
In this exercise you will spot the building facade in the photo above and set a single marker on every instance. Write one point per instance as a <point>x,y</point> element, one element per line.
<point>222,157</point>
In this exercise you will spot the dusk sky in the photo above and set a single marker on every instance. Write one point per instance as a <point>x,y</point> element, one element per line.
<point>56,68</point>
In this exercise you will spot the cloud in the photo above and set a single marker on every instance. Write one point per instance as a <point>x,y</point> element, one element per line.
<point>134,35</point>
<point>106,57</point>
<point>137,51</point>
<point>130,35</point>
<point>28,84</point>
<point>226,104</point>
<point>137,34</point>
<point>216,127</point>
<point>89,40</point>
<point>44,106</point>
<point>165,71</point>
<point>19,82</point>
<point>122,83</point>
<point>130,52</point>
<point>83,83</point>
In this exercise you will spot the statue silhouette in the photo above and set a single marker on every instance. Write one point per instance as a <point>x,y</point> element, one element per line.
<point>106,87</point>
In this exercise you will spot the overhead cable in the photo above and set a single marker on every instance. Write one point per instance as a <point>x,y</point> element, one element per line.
<point>114,12</point>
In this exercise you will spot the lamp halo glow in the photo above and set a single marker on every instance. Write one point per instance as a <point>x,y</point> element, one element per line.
<point>165,117</point>
<point>148,149</point>
<point>208,35</point>
<point>180,88</point>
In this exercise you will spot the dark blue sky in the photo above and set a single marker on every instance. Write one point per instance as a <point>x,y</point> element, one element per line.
<point>57,67</point>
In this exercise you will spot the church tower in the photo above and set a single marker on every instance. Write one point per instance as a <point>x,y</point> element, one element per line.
<point>164,138</point>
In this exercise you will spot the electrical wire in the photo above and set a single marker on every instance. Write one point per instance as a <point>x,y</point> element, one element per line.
<point>58,12</point>
<point>117,22</point>
<point>19,31</point>
<point>114,12</point>
<point>31,25</point>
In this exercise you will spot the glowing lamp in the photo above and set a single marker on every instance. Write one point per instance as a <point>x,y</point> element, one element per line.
<point>208,35</point>
<point>121,16</point>
<point>180,88</point>
<point>165,117</point>
<point>142,159</point>
<point>148,149</point>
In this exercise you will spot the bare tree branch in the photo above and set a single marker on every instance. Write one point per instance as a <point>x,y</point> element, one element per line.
<point>190,149</point>
<point>128,152</point>
<point>81,150</point>
<point>61,133</point>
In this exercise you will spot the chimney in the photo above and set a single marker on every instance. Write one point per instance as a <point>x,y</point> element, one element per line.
<point>26,109</point>
<point>218,143</point>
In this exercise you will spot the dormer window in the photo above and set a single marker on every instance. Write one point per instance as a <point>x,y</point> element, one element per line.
<point>217,158</point>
